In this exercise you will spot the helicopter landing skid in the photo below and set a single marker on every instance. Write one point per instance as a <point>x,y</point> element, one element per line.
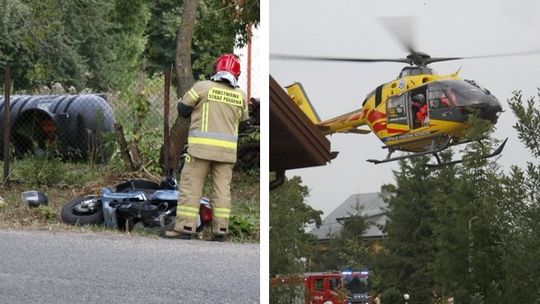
<point>435,152</point>
<point>432,150</point>
<point>493,154</point>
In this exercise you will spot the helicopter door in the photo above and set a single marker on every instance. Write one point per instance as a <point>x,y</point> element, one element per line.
<point>418,106</point>
<point>396,112</point>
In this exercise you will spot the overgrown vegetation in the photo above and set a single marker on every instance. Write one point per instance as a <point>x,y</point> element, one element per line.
<point>289,244</point>
<point>62,181</point>
<point>122,48</point>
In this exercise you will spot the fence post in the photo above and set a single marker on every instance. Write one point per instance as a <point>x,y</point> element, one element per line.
<point>7,86</point>
<point>166,135</point>
<point>249,62</point>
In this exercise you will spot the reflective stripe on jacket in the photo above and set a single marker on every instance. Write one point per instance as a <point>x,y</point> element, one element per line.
<point>217,110</point>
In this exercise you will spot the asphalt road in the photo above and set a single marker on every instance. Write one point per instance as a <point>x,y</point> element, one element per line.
<point>42,267</point>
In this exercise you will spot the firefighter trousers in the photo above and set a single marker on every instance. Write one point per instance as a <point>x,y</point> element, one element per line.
<point>192,181</point>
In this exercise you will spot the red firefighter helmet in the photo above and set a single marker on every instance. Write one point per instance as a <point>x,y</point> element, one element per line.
<point>228,63</point>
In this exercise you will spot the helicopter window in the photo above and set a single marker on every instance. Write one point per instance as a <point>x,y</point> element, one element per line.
<point>396,108</point>
<point>378,95</point>
<point>438,99</point>
<point>413,71</point>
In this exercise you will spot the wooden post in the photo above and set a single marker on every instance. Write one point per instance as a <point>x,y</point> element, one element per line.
<point>7,86</point>
<point>166,134</point>
<point>248,69</point>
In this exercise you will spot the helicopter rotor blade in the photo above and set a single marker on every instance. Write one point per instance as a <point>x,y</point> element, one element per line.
<point>514,54</point>
<point>402,27</point>
<point>321,58</point>
<point>417,58</point>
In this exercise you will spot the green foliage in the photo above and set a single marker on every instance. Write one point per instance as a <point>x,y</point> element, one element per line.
<point>142,122</point>
<point>253,136</point>
<point>289,243</point>
<point>161,32</point>
<point>521,211</point>
<point>410,246</point>
<point>287,294</point>
<point>528,121</point>
<point>98,44</point>
<point>346,249</point>
<point>15,50</point>
<point>130,20</point>
<point>41,170</point>
<point>391,295</point>
<point>90,43</point>
<point>220,26</point>
<point>44,212</point>
<point>242,13</point>
<point>244,222</point>
<point>242,226</point>
<point>468,233</point>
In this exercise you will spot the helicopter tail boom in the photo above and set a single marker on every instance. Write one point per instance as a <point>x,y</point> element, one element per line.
<point>347,123</point>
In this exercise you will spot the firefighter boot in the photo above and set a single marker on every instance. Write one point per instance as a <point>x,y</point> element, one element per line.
<point>176,234</point>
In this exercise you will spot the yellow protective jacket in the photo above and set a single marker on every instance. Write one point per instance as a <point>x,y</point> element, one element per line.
<point>217,110</point>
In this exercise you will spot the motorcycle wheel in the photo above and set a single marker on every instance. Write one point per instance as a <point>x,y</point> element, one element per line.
<point>76,212</point>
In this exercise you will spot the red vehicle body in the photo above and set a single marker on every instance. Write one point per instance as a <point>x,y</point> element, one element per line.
<point>330,287</point>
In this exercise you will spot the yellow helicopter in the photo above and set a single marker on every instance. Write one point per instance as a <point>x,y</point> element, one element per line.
<point>420,112</point>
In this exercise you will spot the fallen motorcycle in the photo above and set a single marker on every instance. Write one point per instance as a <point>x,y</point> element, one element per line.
<point>132,203</point>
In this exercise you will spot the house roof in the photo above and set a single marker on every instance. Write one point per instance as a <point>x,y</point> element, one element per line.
<point>372,207</point>
<point>295,142</point>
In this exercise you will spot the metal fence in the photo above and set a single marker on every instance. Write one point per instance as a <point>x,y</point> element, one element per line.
<point>90,127</point>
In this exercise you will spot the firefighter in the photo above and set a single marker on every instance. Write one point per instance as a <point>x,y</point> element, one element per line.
<point>216,107</point>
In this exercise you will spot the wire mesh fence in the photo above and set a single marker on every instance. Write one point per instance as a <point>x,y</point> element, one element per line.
<point>108,127</point>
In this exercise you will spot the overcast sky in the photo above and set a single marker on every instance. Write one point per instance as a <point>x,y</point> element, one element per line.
<point>351,29</point>
<point>257,60</point>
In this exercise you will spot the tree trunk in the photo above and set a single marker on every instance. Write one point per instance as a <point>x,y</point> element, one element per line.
<point>184,76</point>
<point>184,72</point>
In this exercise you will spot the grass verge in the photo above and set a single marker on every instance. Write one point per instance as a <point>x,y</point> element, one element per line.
<point>62,182</point>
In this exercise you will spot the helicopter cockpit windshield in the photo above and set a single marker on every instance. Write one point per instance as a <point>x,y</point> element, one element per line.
<point>465,90</point>
<point>465,95</point>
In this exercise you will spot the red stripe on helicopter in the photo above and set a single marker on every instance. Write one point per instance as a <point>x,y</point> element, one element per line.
<point>394,131</point>
<point>374,116</point>
<point>356,116</point>
<point>379,126</point>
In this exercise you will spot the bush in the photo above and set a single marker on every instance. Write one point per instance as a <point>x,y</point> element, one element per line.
<point>287,294</point>
<point>391,295</point>
<point>244,222</point>
<point>41,170</point>
<point>242,226</point>
<point>44,212</point>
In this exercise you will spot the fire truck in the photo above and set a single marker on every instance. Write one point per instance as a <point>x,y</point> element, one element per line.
<point>345,287</point>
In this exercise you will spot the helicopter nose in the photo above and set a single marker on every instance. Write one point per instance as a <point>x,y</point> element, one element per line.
<point>488,108</point>
<point>492,111</point>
